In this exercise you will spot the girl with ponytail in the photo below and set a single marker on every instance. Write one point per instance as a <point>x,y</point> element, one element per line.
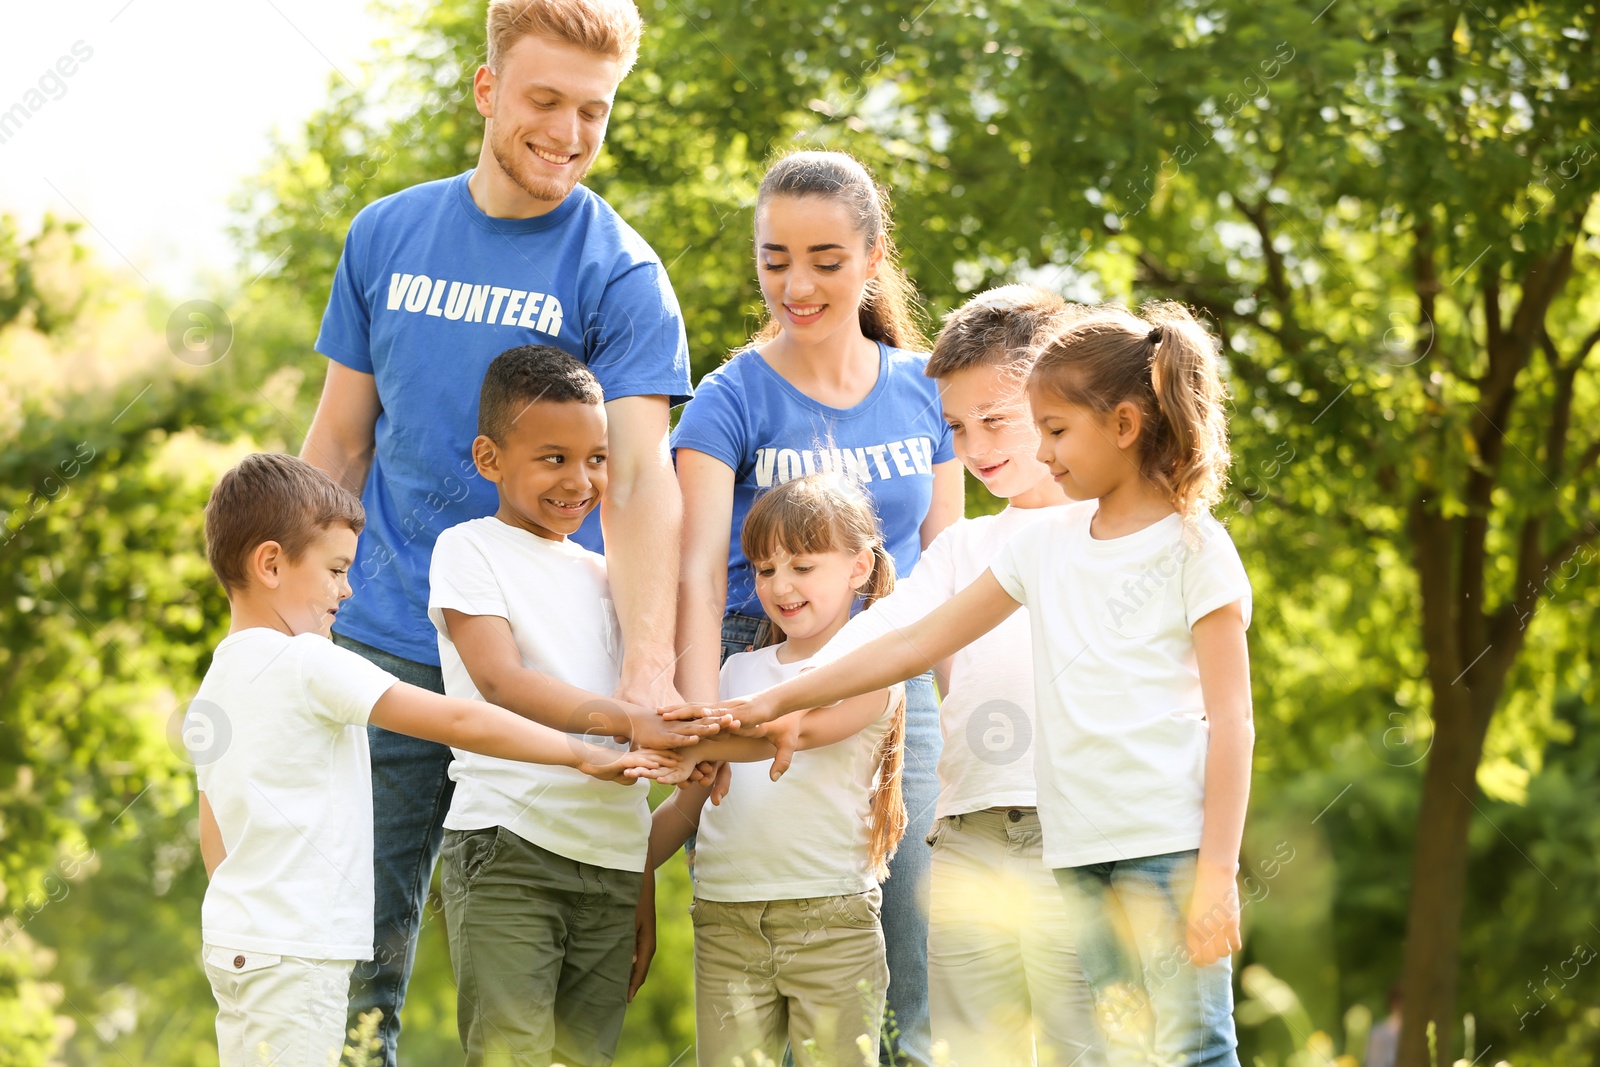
<point>832,382</point>
<point>1138,606</point>
<point>788,943</point>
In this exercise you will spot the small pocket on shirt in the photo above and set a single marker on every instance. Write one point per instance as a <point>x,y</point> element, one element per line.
<point>237,961</point>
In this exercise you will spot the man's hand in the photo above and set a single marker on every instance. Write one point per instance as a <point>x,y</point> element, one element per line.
<point>1213,915</point>
<point>644,934</point>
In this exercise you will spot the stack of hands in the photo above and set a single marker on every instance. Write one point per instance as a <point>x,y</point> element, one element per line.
<point>663,742</point>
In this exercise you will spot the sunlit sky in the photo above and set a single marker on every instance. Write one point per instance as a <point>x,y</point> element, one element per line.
<point>146,140</point>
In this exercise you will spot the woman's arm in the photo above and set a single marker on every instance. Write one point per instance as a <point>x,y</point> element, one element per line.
<point>894,657</point>
<point>949,498</point>
<point>707,486</point>
<point>1224,660</point>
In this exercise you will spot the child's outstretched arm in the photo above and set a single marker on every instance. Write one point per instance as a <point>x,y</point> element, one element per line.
<point>490,654</point>
<point>894,657</point>
<point>673,821</point>
<point>1224,661</point>
<point>494,731</point>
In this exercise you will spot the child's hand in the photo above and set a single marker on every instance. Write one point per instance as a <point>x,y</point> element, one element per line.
<point>609,765</point>
<point>676,767</point>
<point>1213,915</point>
<point>652,730</point>
<point>784,735</point>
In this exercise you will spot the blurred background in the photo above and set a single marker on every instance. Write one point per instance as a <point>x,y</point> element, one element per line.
<point>1385,210</point>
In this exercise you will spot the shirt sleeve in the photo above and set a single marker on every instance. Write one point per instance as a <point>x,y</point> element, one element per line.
<point>461,578</point>
<point>1013,566</point>
<point>1213,574</point>
<point>347,323</point>
<point>944,447</point>
<point>931,584</point>
<point>341,686</point>
<point>715,421</point>
<point>639,347</point>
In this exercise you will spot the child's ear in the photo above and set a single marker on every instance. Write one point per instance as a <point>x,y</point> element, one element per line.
<point>486,457</point>
<point>265,563</point>
<point>861,569</point>
<point>1126,423</point>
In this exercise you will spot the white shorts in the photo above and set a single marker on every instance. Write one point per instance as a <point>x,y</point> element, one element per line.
<point>282,1011</point>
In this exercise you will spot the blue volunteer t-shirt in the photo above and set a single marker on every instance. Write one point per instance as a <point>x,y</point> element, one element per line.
<point>428,291</point>
<point>748,416</point>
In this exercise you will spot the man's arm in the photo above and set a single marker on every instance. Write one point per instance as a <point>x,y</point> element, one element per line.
<point>493,661</point>
<point>641,515</point>
<point>343,432</point>
<point>212,851</point>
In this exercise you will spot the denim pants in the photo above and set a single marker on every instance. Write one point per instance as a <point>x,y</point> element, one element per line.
<point>905,892</point>
<point>411,790</point>
<point>1152,1004</point>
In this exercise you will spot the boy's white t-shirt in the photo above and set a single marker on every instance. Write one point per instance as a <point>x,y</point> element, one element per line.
<point>556,598</point>
<point>1121,719</point>
<point>278,734</point>
<point>987,717</point>
<point>807,834</point>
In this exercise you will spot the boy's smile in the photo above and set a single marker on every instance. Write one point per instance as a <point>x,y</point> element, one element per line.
<point>994,436</point>
<point>551,467</point>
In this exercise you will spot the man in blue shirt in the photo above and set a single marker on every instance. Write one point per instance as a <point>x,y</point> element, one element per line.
<point>434,282</point>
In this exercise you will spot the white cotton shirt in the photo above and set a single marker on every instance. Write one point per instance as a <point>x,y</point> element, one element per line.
<point>807,834</point>
<point>1122,728</point>
<point>278,735</point>
<point>558,602</point>
<point>987,716</point>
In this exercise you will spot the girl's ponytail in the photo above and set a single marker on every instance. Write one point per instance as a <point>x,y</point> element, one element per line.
<point>887,815</point>
<point>880,582</point>
<point>1189,394</point>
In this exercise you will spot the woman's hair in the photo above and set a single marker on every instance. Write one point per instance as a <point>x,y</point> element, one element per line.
<point>1164,362</point>
<point>887,302</point>
<point>827,513</point>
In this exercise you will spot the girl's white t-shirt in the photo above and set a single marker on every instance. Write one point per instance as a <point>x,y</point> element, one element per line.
<point>807,834</point>
<point>556,598</point>
<point>278,735</point>
<point>987,717</point>
<point>1122,727</point>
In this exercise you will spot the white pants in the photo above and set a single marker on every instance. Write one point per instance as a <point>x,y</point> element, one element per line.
<point>278,1011</point>
<point>1004,985</point>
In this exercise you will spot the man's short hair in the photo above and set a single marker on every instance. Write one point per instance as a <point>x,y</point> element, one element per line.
<point>994,328</point>
<point>272,497</point>
<point>526,375</point>
<point>609,28</point>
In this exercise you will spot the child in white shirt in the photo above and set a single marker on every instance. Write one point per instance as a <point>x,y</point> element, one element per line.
<point>789,946</point>
<point>277,732</point>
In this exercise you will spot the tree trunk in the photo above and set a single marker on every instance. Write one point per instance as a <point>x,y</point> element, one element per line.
<point>1439,875</point>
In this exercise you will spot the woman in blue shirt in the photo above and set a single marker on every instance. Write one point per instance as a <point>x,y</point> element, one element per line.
<point>833,381</point>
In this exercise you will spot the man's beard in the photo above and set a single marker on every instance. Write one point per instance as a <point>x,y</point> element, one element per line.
<point>511,154</point>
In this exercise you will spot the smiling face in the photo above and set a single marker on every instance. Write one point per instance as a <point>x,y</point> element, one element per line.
<point>1090,454</point>
<point>994,435</point>
<point>306,592</point>
<point>809,595</point>
<point>551,467</point>
<point>547,109</point>
<point>814,265</point>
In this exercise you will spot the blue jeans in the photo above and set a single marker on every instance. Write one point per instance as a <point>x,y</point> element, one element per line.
<point>1152,1004</point>
<point>411,790</point>
<point>905,892</point>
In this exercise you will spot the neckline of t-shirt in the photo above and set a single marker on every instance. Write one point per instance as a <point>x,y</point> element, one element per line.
<point>512,227</point>
<point>816,405</point>
<point>497,523</point>
<point>240,635</point>
<point>1161,529</point>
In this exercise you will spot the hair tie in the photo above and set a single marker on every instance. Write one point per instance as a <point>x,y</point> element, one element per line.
<point>1154,336</point>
